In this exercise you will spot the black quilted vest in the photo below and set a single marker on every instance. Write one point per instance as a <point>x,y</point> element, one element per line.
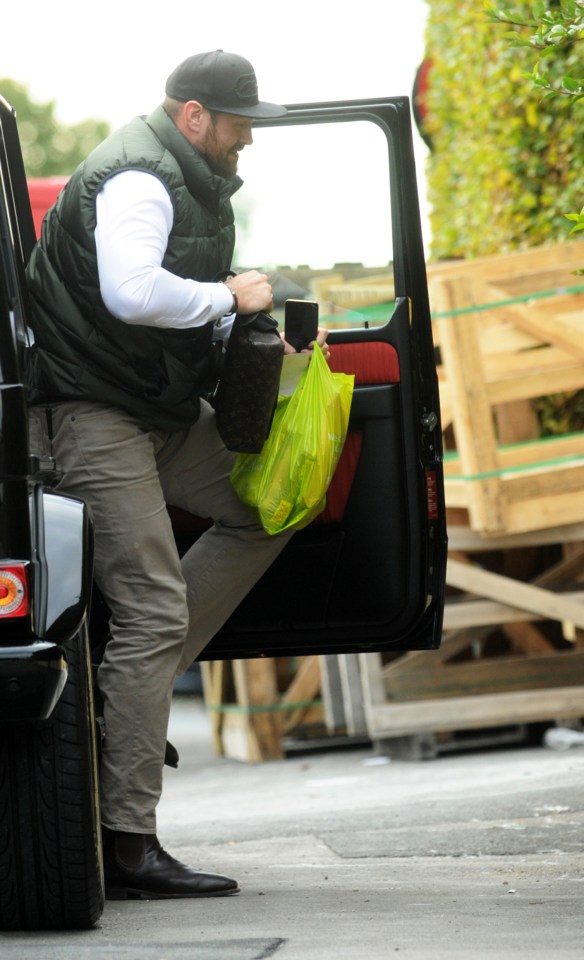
<point>81,351</point>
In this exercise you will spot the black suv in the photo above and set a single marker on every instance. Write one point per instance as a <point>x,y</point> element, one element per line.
<point>370,571</point>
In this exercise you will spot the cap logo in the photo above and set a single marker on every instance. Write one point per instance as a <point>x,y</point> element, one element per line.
<point>246,87</point>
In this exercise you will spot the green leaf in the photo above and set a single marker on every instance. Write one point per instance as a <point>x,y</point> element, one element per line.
<point>557,34</point>
<point>495,13</point>
<point>571,85</point>
<point>577,219</point>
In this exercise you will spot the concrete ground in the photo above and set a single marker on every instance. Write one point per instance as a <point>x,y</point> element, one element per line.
<point>344,855</point>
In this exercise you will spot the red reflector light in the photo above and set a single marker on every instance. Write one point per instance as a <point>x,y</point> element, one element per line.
<point>431,494</point>
<point>13,591</point>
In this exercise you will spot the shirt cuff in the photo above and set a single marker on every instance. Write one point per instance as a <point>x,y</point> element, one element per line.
<point>222,300</point>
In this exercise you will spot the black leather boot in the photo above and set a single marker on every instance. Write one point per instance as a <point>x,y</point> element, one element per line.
<point>137,868</point>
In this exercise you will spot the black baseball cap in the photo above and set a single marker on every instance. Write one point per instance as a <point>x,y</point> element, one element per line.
<point>220,81</point>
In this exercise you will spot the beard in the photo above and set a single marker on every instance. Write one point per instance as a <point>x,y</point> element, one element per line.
<point>221,161</point>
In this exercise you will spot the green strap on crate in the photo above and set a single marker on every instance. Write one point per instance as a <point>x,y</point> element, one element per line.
<point>525,298</point>
<point>517,468</point>
<point>378,311</point>
<point>489,474</point>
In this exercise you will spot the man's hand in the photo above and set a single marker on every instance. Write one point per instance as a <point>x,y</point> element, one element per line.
<point>253,291</point>
<point>320,339</point>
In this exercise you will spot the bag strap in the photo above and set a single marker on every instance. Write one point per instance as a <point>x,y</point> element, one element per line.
<point>258,321</point>
<point>223,275</point>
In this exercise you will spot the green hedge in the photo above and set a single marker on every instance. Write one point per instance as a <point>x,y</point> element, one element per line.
<point>505,166</point>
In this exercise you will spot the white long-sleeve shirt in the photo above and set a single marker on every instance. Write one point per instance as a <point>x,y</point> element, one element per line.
<point>134,220</point>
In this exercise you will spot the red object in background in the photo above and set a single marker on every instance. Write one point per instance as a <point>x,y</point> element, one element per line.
<point>43,191</point>
<point>420,100</point>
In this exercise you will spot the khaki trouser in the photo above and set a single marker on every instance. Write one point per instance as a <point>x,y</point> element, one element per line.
<point>164,610</point>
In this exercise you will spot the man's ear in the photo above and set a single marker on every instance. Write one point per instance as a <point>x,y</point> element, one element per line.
<point>192,115</point>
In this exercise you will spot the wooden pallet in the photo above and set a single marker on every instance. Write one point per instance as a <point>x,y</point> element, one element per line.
<point>419,698</point>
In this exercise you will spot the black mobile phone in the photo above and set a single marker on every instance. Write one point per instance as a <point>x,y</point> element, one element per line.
<point>300,322</point>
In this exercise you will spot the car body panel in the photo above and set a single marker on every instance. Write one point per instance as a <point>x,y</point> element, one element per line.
<point>45,533</point>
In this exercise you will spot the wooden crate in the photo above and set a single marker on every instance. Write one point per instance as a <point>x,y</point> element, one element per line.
<point>423,695</point>
<point>510,329</point>
<point>337,294</point>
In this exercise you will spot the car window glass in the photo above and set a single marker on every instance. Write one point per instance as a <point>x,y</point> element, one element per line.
<point>314,213</point>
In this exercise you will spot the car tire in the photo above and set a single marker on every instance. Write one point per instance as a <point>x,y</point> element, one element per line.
<point>51,870</point>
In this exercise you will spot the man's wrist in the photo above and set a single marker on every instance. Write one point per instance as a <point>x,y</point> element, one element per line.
<point>235,304</point>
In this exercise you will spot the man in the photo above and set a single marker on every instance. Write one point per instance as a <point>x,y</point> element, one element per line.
<point>125,306</point>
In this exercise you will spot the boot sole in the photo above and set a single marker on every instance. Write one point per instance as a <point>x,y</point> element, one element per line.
<point>128,893</point>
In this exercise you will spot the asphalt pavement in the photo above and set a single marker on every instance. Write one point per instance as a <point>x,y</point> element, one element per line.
<point>344,854</point>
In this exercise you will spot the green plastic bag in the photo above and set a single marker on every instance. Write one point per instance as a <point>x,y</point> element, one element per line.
<point>288,480</point>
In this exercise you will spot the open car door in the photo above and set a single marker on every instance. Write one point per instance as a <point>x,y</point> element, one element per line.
<point>333,185</point>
